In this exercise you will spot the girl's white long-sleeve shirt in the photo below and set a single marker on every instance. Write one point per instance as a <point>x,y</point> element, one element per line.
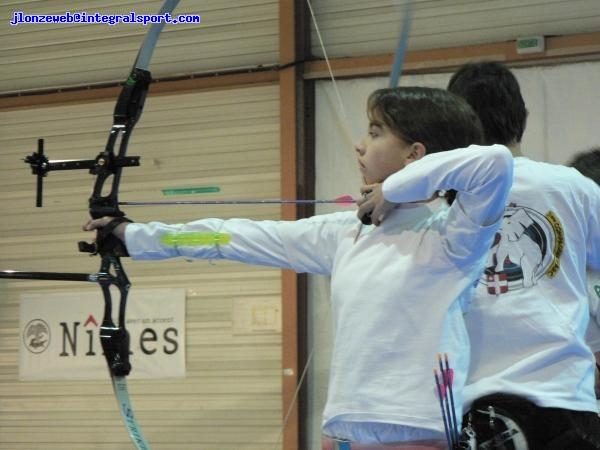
<point>396,292</point>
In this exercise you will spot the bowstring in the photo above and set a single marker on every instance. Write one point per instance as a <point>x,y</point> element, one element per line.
<point>322,44</point>
<point>393,81</point>
<point>348,133</point>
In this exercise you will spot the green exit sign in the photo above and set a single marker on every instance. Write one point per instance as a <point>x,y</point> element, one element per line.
<point>532,44</point>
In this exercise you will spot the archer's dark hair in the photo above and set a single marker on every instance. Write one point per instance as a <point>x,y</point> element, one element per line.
<point>434,117</point>
<point>588,163</point>
<point>493,92</point>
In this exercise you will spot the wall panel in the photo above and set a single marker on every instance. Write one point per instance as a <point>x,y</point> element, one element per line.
<point>232,34</point>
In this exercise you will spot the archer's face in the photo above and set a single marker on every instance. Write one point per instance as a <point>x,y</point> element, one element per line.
<point>381,153</point>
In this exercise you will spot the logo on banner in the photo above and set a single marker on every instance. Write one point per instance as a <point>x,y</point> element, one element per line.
<point>36,336</point>
<point>61,335</point>
<point>149,338</point>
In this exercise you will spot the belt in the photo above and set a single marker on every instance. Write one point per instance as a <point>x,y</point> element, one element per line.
<point>336,444</point>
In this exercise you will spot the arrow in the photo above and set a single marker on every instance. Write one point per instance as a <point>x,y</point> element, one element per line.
<point>342,200</point>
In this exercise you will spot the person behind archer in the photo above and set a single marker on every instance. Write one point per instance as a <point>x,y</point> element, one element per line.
<point>588,163</point>
<point>528,318</point>
<point>397,289</point>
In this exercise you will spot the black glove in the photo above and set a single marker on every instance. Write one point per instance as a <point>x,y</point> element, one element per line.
<point>106,241</point>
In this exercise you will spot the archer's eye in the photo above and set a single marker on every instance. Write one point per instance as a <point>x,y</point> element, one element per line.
<point>374,132</point>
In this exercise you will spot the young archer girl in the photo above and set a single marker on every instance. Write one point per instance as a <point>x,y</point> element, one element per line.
<point>398,289</point>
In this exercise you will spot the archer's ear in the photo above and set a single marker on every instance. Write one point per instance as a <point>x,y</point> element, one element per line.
<point>417,151</point>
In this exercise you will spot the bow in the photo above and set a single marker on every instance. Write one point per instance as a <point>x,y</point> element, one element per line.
<point>107,168</point>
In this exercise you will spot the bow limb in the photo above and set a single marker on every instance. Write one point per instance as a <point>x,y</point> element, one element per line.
<point>400,54</point>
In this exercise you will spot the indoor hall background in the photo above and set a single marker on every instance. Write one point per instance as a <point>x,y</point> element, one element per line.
<point>244,159</point>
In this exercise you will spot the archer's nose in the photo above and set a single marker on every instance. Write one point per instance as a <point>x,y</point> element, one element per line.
<point>360,148</point>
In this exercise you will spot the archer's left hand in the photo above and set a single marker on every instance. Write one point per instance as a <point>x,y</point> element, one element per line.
<point>110,239</point>
<point>97,224</point>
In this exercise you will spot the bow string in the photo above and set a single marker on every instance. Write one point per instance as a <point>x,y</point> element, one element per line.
<point>395,73</point>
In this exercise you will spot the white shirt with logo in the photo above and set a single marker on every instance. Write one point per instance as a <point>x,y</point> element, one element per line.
<point>529,317</point>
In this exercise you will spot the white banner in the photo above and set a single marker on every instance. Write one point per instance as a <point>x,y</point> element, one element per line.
<point>60,334</point>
